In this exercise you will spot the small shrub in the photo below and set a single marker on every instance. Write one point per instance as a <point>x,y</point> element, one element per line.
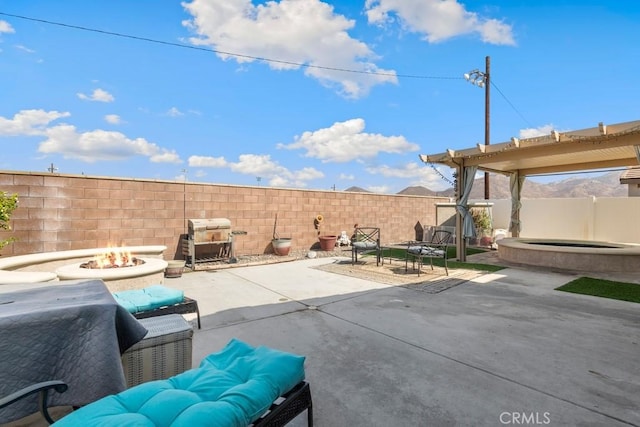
<point>8,203</point>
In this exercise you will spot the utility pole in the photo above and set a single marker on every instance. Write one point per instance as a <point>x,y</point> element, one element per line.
<point>487,119</point>
<point>52,168</point>
<point>483,80</point>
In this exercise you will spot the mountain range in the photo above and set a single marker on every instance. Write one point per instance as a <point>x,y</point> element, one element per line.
<point>607,185</point>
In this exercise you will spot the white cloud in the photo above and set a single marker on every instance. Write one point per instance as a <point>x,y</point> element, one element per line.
<point>419,173</point>
<point>5,27</point>
<point>438,20</point>
<point>347,177</point>
<point>260,166</point>
<point>383,189</point>
<point>346,141</point>
<point>165,156</point>
<point>29,122</point>
<point>99,95</point>
<point>174,112</point>
<point>24,48</point>
<point>113,119</point>
<point>207,162</point>
<point>293,32</point>
<point>534,132</point>
<point>101,145</point>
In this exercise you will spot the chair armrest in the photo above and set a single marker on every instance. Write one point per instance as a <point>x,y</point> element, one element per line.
<point>41,388</point>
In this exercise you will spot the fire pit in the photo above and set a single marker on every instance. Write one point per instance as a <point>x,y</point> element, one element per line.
<point>119,269</point>
<point>114,258</point>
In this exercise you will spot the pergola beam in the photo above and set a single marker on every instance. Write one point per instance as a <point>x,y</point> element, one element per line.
<point>580,166</point>
<point>559,148</point>
<point>600,147</point>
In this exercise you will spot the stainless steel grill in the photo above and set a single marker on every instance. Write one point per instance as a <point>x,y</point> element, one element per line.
<point>208,240</point>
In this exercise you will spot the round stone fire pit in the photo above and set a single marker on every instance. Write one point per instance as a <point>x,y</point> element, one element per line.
<point>150,272</point>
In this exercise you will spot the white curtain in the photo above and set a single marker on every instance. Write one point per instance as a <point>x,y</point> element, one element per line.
<point>468,175</point>
<point>515,183</point>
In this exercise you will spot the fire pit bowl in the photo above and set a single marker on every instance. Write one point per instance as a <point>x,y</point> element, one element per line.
<point>118,279</point>
<point>44,266</point>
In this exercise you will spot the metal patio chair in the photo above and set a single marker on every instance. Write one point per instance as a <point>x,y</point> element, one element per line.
<point>436,247</point>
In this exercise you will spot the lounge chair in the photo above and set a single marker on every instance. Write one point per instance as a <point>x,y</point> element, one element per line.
<point>156,300</point>
<point>239,386</point>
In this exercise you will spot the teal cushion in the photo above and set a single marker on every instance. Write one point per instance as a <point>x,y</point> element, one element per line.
<point>233,387</point>
<point>149,298</point>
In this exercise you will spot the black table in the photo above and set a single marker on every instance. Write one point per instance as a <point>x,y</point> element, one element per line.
<point>75,333</point>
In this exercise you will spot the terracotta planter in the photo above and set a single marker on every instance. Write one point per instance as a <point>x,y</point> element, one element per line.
<point>486,241</point>
<point>281,246</point>
<point>328,243</point>
<point>174,268</point>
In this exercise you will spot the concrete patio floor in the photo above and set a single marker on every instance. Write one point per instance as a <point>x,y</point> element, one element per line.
<point>503,349</point>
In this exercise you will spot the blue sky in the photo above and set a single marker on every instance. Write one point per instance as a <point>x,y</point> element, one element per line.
<point>197,102</point>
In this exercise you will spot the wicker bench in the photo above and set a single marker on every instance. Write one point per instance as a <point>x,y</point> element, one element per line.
<point>157,300</point>
<point>165,351</point>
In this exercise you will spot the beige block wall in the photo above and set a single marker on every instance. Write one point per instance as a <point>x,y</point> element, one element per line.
<point>63,212</point>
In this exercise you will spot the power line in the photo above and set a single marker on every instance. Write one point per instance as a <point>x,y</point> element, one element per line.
<point>237,55</point>
<point>509,102</point>
<point>257,58</point>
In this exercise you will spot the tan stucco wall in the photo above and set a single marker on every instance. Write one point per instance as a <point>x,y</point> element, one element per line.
<point>63,212</point>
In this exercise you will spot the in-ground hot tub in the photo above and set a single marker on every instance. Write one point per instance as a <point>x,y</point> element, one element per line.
<point>578,255</point>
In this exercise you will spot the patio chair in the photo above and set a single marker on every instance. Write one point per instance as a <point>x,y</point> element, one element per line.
<point>42,389</point>
<point>435,248</point>
<point>365,239</point>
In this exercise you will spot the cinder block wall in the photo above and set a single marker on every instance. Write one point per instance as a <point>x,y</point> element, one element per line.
<point>63,212</point>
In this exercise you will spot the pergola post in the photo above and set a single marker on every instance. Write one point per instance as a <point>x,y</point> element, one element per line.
<point>516,180</point>
<point>461,243</point>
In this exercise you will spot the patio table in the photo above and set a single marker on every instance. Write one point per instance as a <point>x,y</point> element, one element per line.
<point>75,333</point>
<point>401,246</point>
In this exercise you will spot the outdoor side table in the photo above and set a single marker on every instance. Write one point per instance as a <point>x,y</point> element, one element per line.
<point>402,246</point>
<point>165,351</point>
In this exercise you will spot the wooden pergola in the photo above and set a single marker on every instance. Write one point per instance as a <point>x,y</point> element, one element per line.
<point>600,147</point>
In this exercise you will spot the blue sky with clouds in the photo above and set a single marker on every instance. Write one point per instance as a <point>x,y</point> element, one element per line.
<point>300,93</point>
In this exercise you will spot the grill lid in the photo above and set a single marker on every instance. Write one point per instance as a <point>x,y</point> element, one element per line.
<point>209,224</point>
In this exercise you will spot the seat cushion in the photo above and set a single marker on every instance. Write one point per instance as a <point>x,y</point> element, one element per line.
<point>149,298</point>
<point>364,245</point>
<point>425,251</point>
<point>233,387</point>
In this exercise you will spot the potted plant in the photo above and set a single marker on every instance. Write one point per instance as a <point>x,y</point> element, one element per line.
<point>327,242</point>
<point>482,222</point>
<point>281,245</point>
<point>175,268</point>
